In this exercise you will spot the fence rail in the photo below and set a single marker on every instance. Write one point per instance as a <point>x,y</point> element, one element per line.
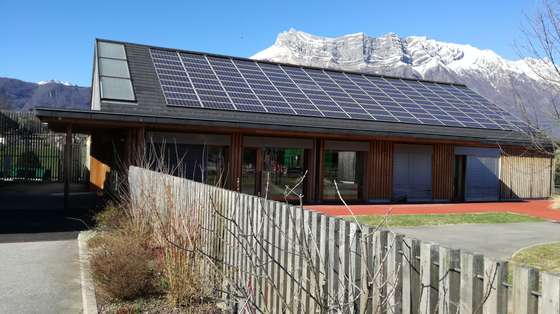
<point>29,152</point>
<point>274,257</point>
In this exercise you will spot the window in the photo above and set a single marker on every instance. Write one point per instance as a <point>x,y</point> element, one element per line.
<point>114,74</point>
<point>115,68</point>
<point>111,50</point>
<point>116,88</point>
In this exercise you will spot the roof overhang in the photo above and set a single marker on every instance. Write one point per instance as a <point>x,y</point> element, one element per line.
<point>87,121</point>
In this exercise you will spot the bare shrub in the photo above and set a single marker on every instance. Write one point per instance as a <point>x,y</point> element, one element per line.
<point>183,283</point>
<point>112,217</point>
<point>123,264</point>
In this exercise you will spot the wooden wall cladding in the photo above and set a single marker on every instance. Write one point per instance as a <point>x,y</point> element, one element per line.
<point>380,170</point>
<point>135,146</point>
<point>523,176</point>
<point>442,172</point>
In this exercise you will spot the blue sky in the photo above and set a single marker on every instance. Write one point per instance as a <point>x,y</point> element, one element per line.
<point>41,40</point>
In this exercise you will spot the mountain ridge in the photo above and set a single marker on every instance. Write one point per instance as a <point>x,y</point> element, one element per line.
<point>18,95</point>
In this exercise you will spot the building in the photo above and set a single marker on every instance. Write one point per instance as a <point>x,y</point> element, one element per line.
<point>259,126</point>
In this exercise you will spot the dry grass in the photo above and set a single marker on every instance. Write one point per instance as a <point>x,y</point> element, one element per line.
<point>183,281</point>
<point>137,257</point>
<point>123,264</point>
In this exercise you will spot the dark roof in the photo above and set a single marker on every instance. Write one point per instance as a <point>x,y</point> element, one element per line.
<point>151,105</point>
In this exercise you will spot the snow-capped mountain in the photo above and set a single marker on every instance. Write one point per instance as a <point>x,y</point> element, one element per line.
<point>65,83</point>
<point>517,85</point>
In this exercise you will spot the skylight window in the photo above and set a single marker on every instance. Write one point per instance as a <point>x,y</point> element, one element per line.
<point>114,74</point>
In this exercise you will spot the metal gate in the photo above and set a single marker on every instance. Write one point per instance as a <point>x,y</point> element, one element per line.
<point>29,152</point>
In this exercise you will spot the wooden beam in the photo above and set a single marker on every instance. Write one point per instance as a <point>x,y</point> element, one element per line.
<point>67,166</point>
<point>87,126</point>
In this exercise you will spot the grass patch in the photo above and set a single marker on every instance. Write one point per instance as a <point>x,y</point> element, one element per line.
<point>446,219</point>
<point>544,257</point>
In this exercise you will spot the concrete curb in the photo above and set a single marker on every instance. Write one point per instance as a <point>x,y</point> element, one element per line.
<point>89,303</point>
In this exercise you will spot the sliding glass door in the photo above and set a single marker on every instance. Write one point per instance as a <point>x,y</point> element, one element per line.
<point>346,169</point>
<point>282,170</point>
<point>273,172</point>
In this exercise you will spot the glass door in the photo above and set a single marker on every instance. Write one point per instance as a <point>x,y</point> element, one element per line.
<point>346,168</point>
<point>282,170</point>
<point>249,171</point>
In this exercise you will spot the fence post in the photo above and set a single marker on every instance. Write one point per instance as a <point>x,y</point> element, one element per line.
<point>344,269</point>
<point>394,272</point>
<point>472,268</point>
<point>495,274</point>
<point>283,233</point>
<point>314,268</point>
<point>332,265</point>
<point>429,255</point>
<point>525,281</point>
<point>550,299</point>
<point>366,267</point>
<point>449,280</point>
<point>273,229</point>
<point>356,273</point>
<point>323,262</point>
<point>411,276</point>
<point>380,272</point>
<point>307,260</point>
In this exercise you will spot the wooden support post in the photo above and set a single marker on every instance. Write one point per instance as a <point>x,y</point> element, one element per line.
<point>67,165</point>
<point>320,151</point>
<point>236,161</point>
<point>260,182</point>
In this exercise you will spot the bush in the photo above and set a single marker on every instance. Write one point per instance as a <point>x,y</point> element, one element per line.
<point>122,264</point>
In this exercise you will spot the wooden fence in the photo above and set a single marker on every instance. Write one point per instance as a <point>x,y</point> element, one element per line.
<point>274,257</point>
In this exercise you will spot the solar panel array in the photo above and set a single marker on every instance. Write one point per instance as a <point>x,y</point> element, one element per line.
<point>202,81</point>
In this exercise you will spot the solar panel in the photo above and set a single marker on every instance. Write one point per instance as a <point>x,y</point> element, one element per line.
<point>201,81</point>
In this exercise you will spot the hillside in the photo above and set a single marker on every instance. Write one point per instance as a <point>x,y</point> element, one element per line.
<point>18,95</point>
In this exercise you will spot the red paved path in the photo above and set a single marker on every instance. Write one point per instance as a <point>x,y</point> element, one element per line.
<point>537,208</point>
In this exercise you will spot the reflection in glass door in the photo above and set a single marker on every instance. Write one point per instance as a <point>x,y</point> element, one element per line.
<point>346,168</point>
<point>249,170</point>
<point>282,167</point>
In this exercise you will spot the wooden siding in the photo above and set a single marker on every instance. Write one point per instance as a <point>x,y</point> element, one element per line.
<point>525,176</point>
<point>320,151</point>
<point>135,146</point>
<point>442,172</point>
<point>380,170</point>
